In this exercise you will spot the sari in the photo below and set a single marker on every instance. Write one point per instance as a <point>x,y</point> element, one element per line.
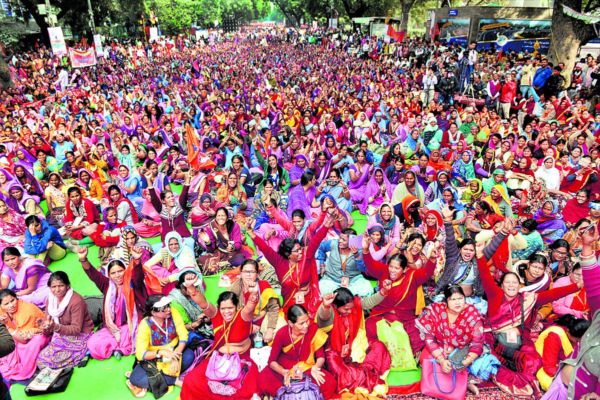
<point>133,179</point>
<point>357,188</point>
<point>197,386</point>
<point>551,227</point>
<point>12,229</point>
<point>149,225</point>
<point>18,281</point>
<point>464,170</point>
<point>300,198</point>
<point>302,353</point>
<point>365,360</point>
<point>21,363</point>
<point>468,196</point>
<point>372,189</point>
<point>401,191</point>
<point>126,211</point>
<point>573,212</point>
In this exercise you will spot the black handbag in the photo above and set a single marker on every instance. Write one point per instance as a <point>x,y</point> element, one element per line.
<point>58,383</point>
<point>508,348</point>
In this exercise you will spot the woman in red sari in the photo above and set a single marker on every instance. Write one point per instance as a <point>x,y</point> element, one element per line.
<point>356,362</point>
<point>232,328</point>
<point>511,317</point>
<point>297,351</point>
<point>295,267</point>
<point>405,299</point>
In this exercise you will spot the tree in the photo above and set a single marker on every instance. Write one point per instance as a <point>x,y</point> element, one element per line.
<point>570,32</point>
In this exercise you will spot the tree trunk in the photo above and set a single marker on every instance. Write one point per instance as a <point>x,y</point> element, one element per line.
<point>39,20</point>
<point>406,6</point>
<point>568,35</point>
<point>5,81</point>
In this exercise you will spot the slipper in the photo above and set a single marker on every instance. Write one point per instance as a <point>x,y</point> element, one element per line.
<point>137,392</point>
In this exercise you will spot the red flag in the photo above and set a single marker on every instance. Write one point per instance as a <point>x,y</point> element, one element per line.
<point>397,36</point>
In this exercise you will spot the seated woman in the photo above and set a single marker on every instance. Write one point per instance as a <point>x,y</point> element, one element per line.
<point>24,322</point>
<point>512,315</point>
<point>129,243</point>
<point>296,352</point>
<point>263,199</point>
<point>533,275</point>
<point>189,282</point>
<point>162,270</point>
<point>126,211</point>
<point>27,276</point>
<point>171,210</point>
<point>232,327</point>
<point>472,194</point>
<point>301,196</point>
<point>130,183</point>
<point>359,177</point>
<point>436,188</point>
<point>21,202</point>
<point>556,343</point>
<point>266,315</point>
<point>12,227</point>
<point>149,224</point>
<point>574,304</point>
<point>463,170</point>
<point>124,301</point>
<point>334,188</point>
<point>295,267</point>
<point>378,191</point>
<point>81,217</point>
<point>56,200</point>
<point>390,223</point>
<point>28,182</point>
<point>203,212</point>
<point>481,218</point>
<point>356,363</point>
<point>577,208</point>
<point>409,187</point>
<point>266,225</point>
<point>550,224</point>
<point>232,194</point>
<point>222,239</point>
<point>108,233</point>
<point>42,241</point>
<point>413,250</point>
<point>68,323</point>
<point>379,248</point>
<point>160,346</point>
<point>91,187</point>
<point>453,332</point>
<point>500,201</point>
<point>405,299</point>
<point>520,178</point>
<point>461,269</point>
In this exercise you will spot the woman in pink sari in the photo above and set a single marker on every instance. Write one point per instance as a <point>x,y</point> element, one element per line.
<point>28,277</point>
<point>378,191</point>
<point>359,176</point>
<point>23,320</point>
<point>149,225</point>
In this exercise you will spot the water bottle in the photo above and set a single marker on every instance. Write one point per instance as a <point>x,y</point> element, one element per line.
<point>258,340</point>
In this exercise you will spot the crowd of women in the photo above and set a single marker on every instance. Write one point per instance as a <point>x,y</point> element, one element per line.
<point>257,157</point>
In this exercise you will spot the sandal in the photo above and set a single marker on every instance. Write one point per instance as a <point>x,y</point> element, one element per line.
<point>137,392</point>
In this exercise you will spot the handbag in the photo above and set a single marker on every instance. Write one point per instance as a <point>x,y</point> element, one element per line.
<point>435,383</point>
<point>509,348</point>
<point>223,367</point>
<point>49,381</point>
<point>300,390</point>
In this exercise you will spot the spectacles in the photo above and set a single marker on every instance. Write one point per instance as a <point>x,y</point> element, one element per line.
<point>163,309</point>
<point>249,272</point>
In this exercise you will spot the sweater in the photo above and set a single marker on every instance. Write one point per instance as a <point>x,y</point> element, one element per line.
<point>36,244</point>
<point>76,318</point>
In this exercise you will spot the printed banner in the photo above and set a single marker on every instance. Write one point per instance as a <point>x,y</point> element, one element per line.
<point>153,33</point>
<point>517,35</point>
<point>82,58</point>
<point>454,30</point>
<point>98,46</point>
<point>57,41</point>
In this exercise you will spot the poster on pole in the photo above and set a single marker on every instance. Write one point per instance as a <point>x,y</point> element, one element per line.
<point>454,30</point>
<point>57,41</point>
<point>82,58</point>
<point>98,45</point>
<point>153,33</point>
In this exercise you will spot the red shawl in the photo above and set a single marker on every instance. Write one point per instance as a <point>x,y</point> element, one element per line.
<point>345,328</point>
<point>573,211</point>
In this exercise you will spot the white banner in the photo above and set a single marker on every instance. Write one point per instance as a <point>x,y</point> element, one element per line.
<point>153,33</point>
<point>57,41</point>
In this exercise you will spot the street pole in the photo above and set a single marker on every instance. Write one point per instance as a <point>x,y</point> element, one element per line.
<point>92,24</point>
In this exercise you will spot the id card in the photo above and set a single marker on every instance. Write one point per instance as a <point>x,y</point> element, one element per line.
<point>297,373</point>
<point>511,337</point>
<point>345,281</point>
<point>299,298</point>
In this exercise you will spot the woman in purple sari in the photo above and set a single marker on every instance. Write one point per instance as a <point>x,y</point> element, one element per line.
<point>26,276</point>
<point>297,170</point>
<point>301,196</point>
<point>379,190</point>
<point>28,181</point>
<point>359,175</point>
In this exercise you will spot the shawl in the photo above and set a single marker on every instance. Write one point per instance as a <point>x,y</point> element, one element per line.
<point>373,188</point>
<point>464,170</point>
<point>18,205</point>
<point>401,191</point>
<point>79,182</point>
<point>406,203</point>
<point>362,180</point>
<point>436,188</point>
<point>113,305</point>
<point>56,309</point>
<point>573,212</point>
<point>122,199</point>
<point>13,228</point>
<point>490,182</point>
<point>184,257</point>
<point>122,251</point>
<point>434,321</point>
<point>345,328</point>
<point>300,199</point>
<point>296,172</point>
<point>550,176</point>
<point>192,309</point>
<point>306,354</point>
<point>540,284</point>
<point>388,226</point>
<point>431,233</point>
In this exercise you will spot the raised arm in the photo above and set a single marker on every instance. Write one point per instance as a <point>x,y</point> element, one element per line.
<point>156,203</point>
<point>494,294</point>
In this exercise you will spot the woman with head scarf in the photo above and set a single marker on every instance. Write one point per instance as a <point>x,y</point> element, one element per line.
<point>92,188</point>
<point>162,270</point>
<point>56,200</point>
<point>463,170</point>
<point>472,193</point>
<point>125,209</point>
<point>549,174</point>
<point>500,201</point>
<point>28,182</point>
<point>20,201</point>
<point>550,223</point>
<point>577,208</point>
<point>436,188</point>
<point>378,191</point>
<point>521,177</point>
<point>131,185</point>
<point>298,169</point>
